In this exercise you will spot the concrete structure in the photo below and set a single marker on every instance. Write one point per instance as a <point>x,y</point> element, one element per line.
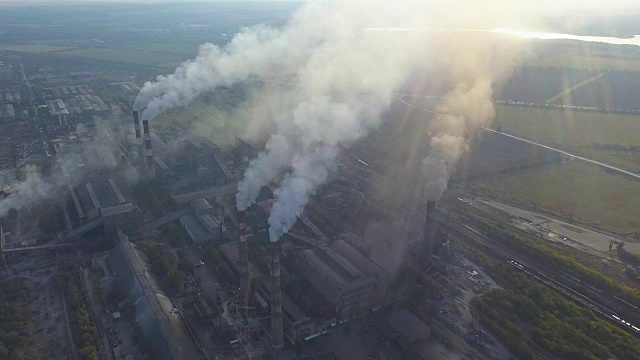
<point>277,330</point>
<point>413,332</point>
<point>296,324</point>
<point>138,141</point>
<point>58,110</point>
<point>87,105</point>
<point>10,96</point>
<point>195,230</point>
<point>207,193</point>
<point>66,92</point>
<point>243,252</point>
<point>205,224</point>
<point>147,149</point>
<point>352,291</point>
<point>100,201</point>
<point>200,205</point>
<point>367,267</point>
<point>246,150</point>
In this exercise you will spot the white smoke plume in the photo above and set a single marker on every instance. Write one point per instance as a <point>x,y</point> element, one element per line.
<point>466,107</point>
<point>339,81</point>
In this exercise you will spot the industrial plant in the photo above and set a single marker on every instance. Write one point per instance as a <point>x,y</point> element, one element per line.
<point>312,182</point>
<point>293,290</point>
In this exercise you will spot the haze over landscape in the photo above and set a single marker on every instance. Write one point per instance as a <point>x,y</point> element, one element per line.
<point>321,179</point>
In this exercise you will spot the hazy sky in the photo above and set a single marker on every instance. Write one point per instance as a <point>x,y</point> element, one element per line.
<point>548,4</point>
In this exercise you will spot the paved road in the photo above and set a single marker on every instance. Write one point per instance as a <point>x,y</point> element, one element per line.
<point>601,164</point>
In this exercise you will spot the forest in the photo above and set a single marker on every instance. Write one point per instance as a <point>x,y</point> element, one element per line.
<point>555,324</point>
<point>16,327</point>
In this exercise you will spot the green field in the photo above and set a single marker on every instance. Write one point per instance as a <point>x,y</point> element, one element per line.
<point>592,62</point>
<point>33,48</point>
<point>573,189</point>
<point>129,56</point>
<point>189,50</point>
<point>575,131</point>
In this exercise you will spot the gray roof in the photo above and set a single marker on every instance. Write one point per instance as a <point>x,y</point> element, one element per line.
<point>200,204</point>
<point>117,209</point>
<point>327,274</point>
<point>408,325</point>
<point>355,257</point>
<point>198,233</point>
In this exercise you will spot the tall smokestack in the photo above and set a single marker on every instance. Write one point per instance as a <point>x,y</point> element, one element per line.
<point>429,229</point>
<point>243,253</point>
<point>147,147</point>
<point>136,126</point>
<point>277,332</point>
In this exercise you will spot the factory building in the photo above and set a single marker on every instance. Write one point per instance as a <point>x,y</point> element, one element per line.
<point>67,92</point>
<point>100,201</point>
<point>206,223</point>
<point>11,96</point>
<point>87,105</point>
<point>296,324</point>
<point>353,291</point>
<point>58,111</point>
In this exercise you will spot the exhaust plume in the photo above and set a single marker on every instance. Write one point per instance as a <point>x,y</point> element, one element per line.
<point>465,108</point>
<point>340,79</point>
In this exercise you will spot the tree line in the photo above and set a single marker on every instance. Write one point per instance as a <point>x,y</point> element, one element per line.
<point>84,330</point>
<point>555,324</point>
<point>16,325</point>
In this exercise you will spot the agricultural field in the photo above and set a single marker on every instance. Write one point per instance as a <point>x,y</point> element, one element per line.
<point>608,89</point>
<point>604,62</point>
<point>492,154</point>
<point>33,48</point>
<point>530,84</point>
<point>572,189</point>
<point>575,131</point>
<point>129,56</point>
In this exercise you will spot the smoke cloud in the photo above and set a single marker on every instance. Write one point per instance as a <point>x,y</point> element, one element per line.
<point>340,79</point>
<point>477,68</point>
<point>68,168</point>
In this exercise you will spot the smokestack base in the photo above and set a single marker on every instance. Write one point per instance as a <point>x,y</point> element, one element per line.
<point>277,330</point>
<point>243,252</point>
<point>136,124</point>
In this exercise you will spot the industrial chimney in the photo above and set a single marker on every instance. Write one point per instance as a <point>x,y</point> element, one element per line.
<point>277,331</point>
<point>429,229</point>
<point>136,126</point>
<point>243,253</point>
<point>147,147</point>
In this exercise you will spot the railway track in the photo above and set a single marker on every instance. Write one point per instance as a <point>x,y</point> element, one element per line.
<point>619,314</point>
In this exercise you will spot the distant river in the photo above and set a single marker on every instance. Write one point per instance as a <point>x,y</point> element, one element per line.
<point>532,35</point>
<point>556,36</point>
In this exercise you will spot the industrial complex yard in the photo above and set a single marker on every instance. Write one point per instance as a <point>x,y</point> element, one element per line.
<point>259,212</point>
